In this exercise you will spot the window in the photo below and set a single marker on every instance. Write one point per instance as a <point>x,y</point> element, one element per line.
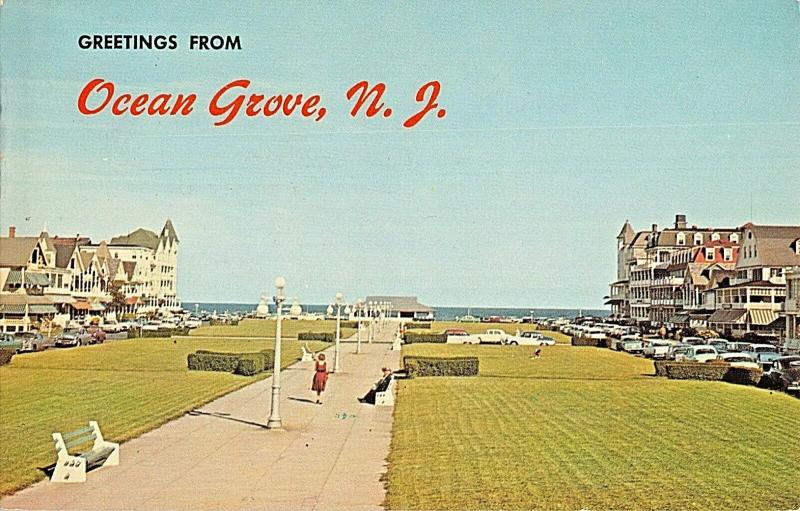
<point>681,239</point>
<point>715,236</point>
<point>734,238</point>
<point>727,254</point>
<point>709,254</point>
<point>777,272</point>
<point>757,274</point>
<point>698,238</point>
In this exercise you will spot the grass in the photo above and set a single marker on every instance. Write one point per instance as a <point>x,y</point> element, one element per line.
<point>121,384</point>
<point>266,328</point>
<point>479,328</point>
<point>587,428</point>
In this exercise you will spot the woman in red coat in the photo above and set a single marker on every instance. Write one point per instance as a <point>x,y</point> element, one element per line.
<point>320,376</point>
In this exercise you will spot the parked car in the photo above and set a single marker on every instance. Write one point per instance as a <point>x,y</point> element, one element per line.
<point>754,349</point>
<point>701,353</point>
<point>98,336</point>
<point>193,323</point>
<point>616,344</point>
<point>657,348</point>
<point>11,342</point>
<point>738,360</point>
<point>492,336</point>
<point>530,339</point>
<point>721,345</point>
<point>151,325</point>
<point>633,346</point>
<point>783,372</point>
<point>72,338</point>
<point>678,352</point>
<point>455,331</point>
<point>739,346</point>
<point>693,340</point>
<point>113,326</point>
<point>31,341</point>
<point>595,333</point>
<point>458,336</point>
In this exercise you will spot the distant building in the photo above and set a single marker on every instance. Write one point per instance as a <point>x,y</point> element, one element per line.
<point>404,307</point>
<point>791,306</point>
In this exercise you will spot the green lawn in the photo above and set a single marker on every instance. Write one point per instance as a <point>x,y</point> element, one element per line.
<point>587,428</point>
<point>266,328</point>
<point>479,328</point>
<point>129,387</point>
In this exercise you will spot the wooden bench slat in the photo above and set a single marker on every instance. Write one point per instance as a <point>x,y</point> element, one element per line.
<point>77,432</point>
<point>79,441</point>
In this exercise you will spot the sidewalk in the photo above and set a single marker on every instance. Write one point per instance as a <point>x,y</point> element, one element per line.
<point>330,456</point>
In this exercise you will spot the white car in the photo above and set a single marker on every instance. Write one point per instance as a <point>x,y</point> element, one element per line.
<point>530,339</point>
<point>701,353</point>
<point>657,348</point>
<point>595,333</point>
<point>738,360</point>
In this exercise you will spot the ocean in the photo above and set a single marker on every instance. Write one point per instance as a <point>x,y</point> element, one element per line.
<point>441,314</point>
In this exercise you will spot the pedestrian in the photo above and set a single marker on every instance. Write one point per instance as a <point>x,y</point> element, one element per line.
<point>320,376</point>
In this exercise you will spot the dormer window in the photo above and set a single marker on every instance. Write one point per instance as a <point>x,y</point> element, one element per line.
<point>727,254</point>
<point>715,236</point>
<point>709,254</point>
<point>681,239</point>
<point>734,238</point>
<point>797,246</point>
<point>698,238</point>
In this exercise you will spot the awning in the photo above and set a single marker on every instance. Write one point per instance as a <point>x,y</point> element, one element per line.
<point>614,300</point>
<point>762,316</point>
<point>728,316</point>
<point>96,307</point>
<point>42,309</point>
<point>679,318</point>
<point>31,278</point>
<point>12,309</point>
<point>81,306</point>
<point>132,300</point>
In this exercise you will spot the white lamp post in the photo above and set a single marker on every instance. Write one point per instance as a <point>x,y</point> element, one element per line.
<point>274,421</point>
<point>339,300</point>
<point>370,311</point>
<point>359,313</point>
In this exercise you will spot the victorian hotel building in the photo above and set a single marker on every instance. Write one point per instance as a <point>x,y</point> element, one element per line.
<point>732,280</point>
<point>46,279</point>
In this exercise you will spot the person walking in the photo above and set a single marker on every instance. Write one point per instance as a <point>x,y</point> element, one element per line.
<point>320,376</point>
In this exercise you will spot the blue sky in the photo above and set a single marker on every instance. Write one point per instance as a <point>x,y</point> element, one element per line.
<point>563,120</point>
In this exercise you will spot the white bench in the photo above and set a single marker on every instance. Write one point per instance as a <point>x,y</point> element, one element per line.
<point>386,397</point>
<point>308,355</point>
<point>71,468</point>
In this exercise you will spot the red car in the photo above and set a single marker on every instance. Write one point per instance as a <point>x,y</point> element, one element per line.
<point>98,335</point>
<point>455,331</point>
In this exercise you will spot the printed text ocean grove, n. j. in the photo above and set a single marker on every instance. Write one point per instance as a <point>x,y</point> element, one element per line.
<point>236,99</point>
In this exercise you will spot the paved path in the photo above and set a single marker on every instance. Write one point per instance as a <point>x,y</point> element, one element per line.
<point>330,456</point>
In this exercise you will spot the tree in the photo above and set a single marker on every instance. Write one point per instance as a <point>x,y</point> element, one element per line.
<point>117,296</point>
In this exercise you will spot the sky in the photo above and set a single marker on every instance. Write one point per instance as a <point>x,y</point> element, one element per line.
<point>564,119</point>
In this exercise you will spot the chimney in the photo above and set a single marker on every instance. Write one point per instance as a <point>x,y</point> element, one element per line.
<point>12,231</point>
<point>654,227</point>
<point>680,221</point>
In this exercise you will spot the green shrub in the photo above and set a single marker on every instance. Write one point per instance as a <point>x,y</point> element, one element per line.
<point>246,364</point>
<point>5,356</point>
<point>419,326</point>
<point>586,341</point>
<point>713,372</point>
<point>316,336</point>
<point>417,337</point>
<point>440,366</point>
<point>349,324</point>
<point>227,362</point>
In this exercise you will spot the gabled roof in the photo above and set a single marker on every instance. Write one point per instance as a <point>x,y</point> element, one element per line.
<point>401,303</point>
<point>774,243</point>
<point>17,251</point>
<point>65,247</point>
<point>113,267</point>
<point>129,267</point>
<point>137,238</point>
<point>168,232</point>
<point>626,233</point>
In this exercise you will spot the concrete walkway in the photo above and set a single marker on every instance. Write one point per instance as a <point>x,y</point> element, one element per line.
<point>330,456</point>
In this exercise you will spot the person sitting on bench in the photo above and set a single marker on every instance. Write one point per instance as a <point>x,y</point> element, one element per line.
<point>380,386</point>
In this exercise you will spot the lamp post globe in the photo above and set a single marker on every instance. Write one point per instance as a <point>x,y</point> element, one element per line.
<point>329,310</point>
<point>274,421</point>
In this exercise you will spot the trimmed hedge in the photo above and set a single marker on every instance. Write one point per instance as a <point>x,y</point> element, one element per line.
<point>5,356</point>
<point>713,371</point>
<point>440,366</point>
<point>137,333</point>
<point>417,337</point>
<point>419,326</point>
<point>349,324</point>
<point>246,364</point>
<point>586,341</point>
<point>316,336</point>
<point>661,367</point>
<point>221,322</point>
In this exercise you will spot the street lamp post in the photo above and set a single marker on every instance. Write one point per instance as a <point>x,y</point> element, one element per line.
<point>274,421</point>
<point>359,308</point>
<point>339,301</point>
<point>370,309</point>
